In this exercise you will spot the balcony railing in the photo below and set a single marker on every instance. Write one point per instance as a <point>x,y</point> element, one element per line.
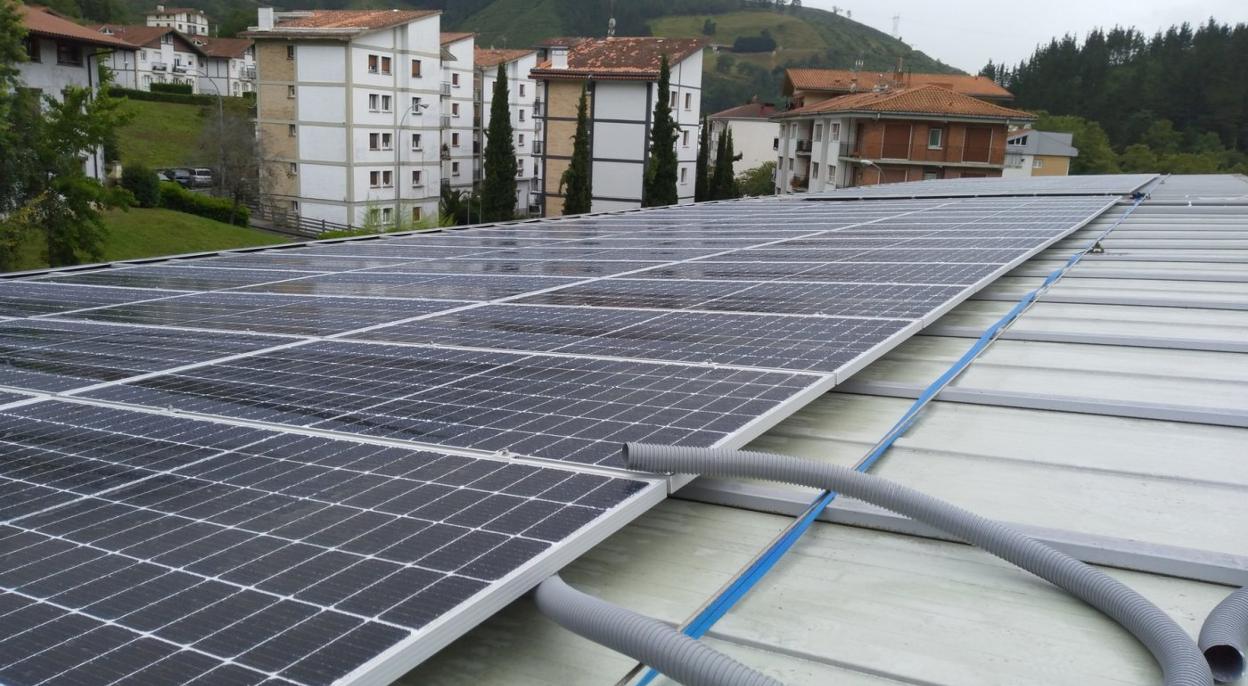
<point>895,151</point>
<point>446,88</point>
<point>159,66</point>
<point>537,147</point>
<point>249,73</point>
<point>804,147</point>
<point>446,121</point>
<point>846,149</point>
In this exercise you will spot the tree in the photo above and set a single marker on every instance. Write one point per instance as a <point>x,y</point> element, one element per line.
<point>230,139</point>
<point>661,172</point>
<point>498,191</point>
<point>1096,156</point>
<point>458,207</point>
<point>1138,158</point>
<point>760,180</point>
<point>1162,138</point>
<point>708,27</point>
<point>723,183</point>
<point>576,181</point>
<point>701,179</point>
<point>142,184</point>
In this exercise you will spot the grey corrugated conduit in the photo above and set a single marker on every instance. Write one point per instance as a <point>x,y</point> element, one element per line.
<point>1224,637</point>
<point>646,640</point>
<point>1181,662</point>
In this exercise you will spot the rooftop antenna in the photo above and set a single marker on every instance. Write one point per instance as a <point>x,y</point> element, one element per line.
<point>897,26</point>
<point>611,20</point>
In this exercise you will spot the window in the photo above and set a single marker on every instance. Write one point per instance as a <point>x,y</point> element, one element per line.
<point>519,167</point>
<point>415,214</point>
<point>814,171</point>
<point>416,105</point>
<point>290,52</point>
<point>380,141</point>
<point>521,115</point>
<point>292,130</point>
<point>930,175</point>
<point>684,138</point>
<point>417,178</point>
<point>68,53</point>
<point>374,215</point>
<point>387,214</point>
<point>1037,163</point>
<point>688,101</point>
<point>454,109</point>
<point>935,138</point>
<point>374,64</point>
<point>166,39</point>
<point>31,44</point>
<point>684,175</point>
<point>294,206</point>
<point>381,179</point>
<point>671,101</point>
<point>290,91</point>
<point>455,140</point>
<point>454,169</point>
<point>832,173</point>
<point>293,169</point>
<point>416,141</point>
<point>455,79</point>
<point>385,65</point>
<point>775,144</point>
<point>415,69</point>
<point>818,132</point>
<point>521,140</point>
<point>834,131</point>
<point>374,102</point>
<point>522,90</point>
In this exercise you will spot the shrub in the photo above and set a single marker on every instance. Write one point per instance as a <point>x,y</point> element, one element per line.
<point>143,183</point>
<point>178,88</point>
<point>754,44</point>
<point>175,197</point>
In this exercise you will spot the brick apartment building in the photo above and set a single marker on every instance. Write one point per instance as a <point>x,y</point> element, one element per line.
<point>891,135</point>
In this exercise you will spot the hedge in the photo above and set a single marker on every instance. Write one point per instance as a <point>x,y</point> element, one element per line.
<point>176,88</point>
<point>754,44</point>
<point>180,99</point>
<point>142,182</point>
<point>175,197</point>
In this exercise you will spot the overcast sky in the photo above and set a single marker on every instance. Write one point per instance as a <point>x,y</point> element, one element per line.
<point>967,33</point>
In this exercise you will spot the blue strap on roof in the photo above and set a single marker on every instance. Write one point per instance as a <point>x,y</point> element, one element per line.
<point>743,584</point>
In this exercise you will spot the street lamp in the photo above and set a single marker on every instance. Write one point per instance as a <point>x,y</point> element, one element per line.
<point>220,124</point>
<point>397,148</point>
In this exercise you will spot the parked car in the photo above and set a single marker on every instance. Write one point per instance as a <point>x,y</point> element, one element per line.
<point>201,177</point>
<point>182,177</point>
<point>164,174</point>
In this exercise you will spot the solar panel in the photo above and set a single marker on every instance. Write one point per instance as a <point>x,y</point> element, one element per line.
<point>325,462</point>
<point>1107,184</point>
<point>200,550</point>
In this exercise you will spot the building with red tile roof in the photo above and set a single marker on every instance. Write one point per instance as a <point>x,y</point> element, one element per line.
<point>330,24</point>
<point>523,103</point>
<point>754,134</point>
<point>624,58</point>
<point>807,86</point>
<point>188,20</point>
<point>889,135</point>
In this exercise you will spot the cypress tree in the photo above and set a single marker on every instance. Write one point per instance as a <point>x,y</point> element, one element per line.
<point>577,192</point>
<point>702,180</point>
<point>731,188</point>
<point>717,183</point>
<point>660,188</point>
<point>498,191</point>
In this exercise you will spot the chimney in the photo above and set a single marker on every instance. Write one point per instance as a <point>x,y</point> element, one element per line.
<point>264,19</point>
<point>160,8</point>
<point>559,57</point>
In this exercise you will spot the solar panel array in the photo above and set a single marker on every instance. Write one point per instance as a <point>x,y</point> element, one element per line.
<point>1090,185</point>
<point>323,463</point>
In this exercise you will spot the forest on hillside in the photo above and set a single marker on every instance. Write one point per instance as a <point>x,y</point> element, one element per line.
<point>1173,102</point>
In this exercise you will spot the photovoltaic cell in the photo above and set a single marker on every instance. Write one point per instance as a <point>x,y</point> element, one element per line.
<point>184,277</point>
<point>437,286</point>
<point>579,269</point>
<point>1108,184</point>
<point>854,272</point>
<point>25,298</point>
<point>52,355</point>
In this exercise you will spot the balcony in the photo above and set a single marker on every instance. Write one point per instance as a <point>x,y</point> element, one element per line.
<point>249,73</point>
<point>159,66</point>
<point>537,147</point>
<point>179,69</point>
<point>446,152</point>
<point>804,147</point>
<point>846,149</point>
<point>446,89</point>
<point>537,107</point>
<point>446,121</point>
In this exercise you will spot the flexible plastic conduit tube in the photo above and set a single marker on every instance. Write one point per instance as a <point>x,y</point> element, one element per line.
<point>646,640</point>
<point>1224,637</point>
<point>1181,663</point>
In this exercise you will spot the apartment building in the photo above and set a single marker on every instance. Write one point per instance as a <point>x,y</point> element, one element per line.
<point>811,86</point>
<point>348,113</point>
<point>887,136</point>
<point>1029,152</point>
<point>621,76</point>
<point>523,104</point>
<point>61,54</point>
<point>461,144</point>
<point>157,54</point>
<point>755,137</point>
<point>229,66</point>
<point>186,20</point>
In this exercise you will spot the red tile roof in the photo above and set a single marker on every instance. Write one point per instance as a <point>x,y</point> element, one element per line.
<point>753,110</point>
<point>338,23</point>
<point>232,48</point>
<point>490,57</point>
<point>42,21</point>
<point>449,37</point>
<point>620,58</point>
<point>846,81</point>
<point>923,100</point>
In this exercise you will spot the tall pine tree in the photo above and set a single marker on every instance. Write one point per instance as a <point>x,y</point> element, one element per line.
<point>498,191</point>
<point>577,192</point>
<point>723,184</point>
<point>702,180</point>
<point>660,188</point>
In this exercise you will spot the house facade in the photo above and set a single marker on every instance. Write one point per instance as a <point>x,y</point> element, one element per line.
<point>890,136</point>
<point>1029,152</point>
<point>620,76</point>
<point>461,146</point>
<point>810,86</point>
<point>229,66</point>
<point>755,137</point>
<point>348,114</point>
<point>157,55</point>
<point>186,20</point>
<point>523,104</point>
<point>61,54</point>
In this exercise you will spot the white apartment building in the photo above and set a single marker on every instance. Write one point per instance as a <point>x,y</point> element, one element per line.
<point>184,19</point>
<point>754,136</point>
<point>156,54</point>
<point>229,66</point>
<point>621,75</point>
<point>525,124</point>
<point>461,146</point>
<point>60,54</point>
<point>349,115</point>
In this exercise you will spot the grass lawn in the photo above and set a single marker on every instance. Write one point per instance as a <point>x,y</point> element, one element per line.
<point>138,233</point>
<point>163,134</point>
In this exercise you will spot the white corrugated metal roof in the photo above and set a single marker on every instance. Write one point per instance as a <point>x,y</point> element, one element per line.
<point>1113,418</point>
